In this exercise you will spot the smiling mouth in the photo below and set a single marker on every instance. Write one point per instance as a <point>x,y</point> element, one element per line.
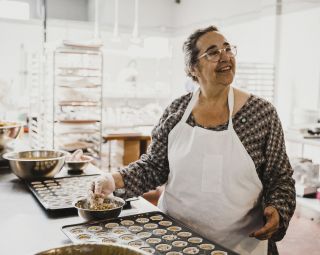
<point>224,69</point>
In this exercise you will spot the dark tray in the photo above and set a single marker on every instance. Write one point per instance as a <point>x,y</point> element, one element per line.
<point>59,193</point>
<point>151,232</point>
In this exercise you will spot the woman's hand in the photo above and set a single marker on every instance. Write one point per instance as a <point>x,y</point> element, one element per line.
<point>271,225</point>
<point>102,186</point>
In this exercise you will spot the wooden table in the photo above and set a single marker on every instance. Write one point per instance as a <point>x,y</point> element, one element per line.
<point>135,144</point>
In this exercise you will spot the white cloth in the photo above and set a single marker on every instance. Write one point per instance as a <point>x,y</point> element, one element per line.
<point>213,185</point>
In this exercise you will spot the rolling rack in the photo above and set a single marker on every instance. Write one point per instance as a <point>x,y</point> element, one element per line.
<point>77,90</point>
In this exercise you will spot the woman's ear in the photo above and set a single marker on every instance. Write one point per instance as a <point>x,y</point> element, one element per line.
<point>194,71</point>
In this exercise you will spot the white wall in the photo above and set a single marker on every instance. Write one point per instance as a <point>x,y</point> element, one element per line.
<point>17,38</point>
<point>299,79</point>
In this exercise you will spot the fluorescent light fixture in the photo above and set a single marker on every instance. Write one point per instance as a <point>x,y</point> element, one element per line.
<point>14,10</point>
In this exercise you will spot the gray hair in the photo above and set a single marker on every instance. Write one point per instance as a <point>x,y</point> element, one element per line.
<point>191,51</point>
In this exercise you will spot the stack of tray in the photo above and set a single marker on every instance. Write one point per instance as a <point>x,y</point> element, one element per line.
<point>153,232</point>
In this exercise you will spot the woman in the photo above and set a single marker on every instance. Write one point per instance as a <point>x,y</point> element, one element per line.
<point>221,154</point>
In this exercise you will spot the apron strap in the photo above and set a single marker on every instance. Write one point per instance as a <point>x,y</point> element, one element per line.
<point>230,105</point>
<point>190,106</point>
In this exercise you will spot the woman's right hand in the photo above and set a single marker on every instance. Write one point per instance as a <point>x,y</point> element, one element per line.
<point>102,187</point>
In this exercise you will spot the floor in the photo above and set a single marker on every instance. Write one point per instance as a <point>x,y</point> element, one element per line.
<point>302,238</point>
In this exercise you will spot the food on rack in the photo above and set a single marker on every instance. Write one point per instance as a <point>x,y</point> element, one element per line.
<point>163,247</point>
<point>206,246</point>
<point>179,243</point>
<point>191,250</point>
<point>127,222</point>
<point>142,220</point>
<point>169,237</point>
<point>195,240</point>
<point>219,253</point>
<point>112,225</point>
<point>144,234</point>
<point>94,228</point>
<point>184,234</point>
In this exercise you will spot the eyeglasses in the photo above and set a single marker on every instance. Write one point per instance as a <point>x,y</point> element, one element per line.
<point>214,55</point>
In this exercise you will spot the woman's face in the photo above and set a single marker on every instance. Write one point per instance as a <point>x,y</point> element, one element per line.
<point>214,73</point>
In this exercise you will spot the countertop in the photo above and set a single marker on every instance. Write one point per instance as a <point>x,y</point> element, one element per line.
<point>26,228</point>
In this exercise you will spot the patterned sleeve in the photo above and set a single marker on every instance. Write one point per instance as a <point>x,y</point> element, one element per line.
<point>152,169</point>
<point>279,189</point>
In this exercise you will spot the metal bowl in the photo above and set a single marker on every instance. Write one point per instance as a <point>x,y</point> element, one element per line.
<point>94,249</point>
<point>89,214</point>
<point>78,165</point>
<point>36,164</point>
<point>8,132</point>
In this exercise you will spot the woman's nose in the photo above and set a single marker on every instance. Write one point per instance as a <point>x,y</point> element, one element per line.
<point>223,55</point>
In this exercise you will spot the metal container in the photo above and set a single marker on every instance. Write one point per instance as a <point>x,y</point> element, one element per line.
<point>78,165</point>
<point>8,132</point>
<point>89,214</point>
<point>94,249</point>
<point>36,164</point>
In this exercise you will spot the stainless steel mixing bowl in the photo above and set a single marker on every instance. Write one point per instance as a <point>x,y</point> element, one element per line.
<point>36,164</point>
<point>8,132</point>
<point>82,205</point>
<point>94,249</point>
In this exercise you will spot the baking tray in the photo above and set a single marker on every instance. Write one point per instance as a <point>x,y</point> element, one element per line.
<point>59,193</point>
<point>154,232</point>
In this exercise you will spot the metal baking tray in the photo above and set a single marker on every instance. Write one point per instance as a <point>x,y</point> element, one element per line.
<point>59,193</point>
<point>154,232</point>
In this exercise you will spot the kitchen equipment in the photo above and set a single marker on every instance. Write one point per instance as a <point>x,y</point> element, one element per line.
<point>78,165</point>
<point>36,164</point>
<point>153,232</point>
<point>89,214</point>
<point>77,89</point>
<point>8,132</point>
<point>59,193</point>
<point>93,249</point>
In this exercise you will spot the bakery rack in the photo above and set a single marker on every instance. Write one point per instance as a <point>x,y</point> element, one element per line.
<point>77,90</point>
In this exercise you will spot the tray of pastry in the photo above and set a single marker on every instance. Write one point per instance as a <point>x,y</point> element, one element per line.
<point>59,193</point>
<point>153,232</point>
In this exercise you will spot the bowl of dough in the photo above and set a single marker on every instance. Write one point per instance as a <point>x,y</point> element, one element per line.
<point>108,208</point>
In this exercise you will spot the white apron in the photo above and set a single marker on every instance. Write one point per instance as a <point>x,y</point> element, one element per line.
<point>213,186</point>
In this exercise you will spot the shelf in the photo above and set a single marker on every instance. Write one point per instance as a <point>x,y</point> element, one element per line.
<point>80,76</point>
<point>78,68</point>
<point>78,121</point>
<point>77,86</point>
<point>79,52</point>
<point>76,145</point>
<point>146,97</point>
<point>78,103</point>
